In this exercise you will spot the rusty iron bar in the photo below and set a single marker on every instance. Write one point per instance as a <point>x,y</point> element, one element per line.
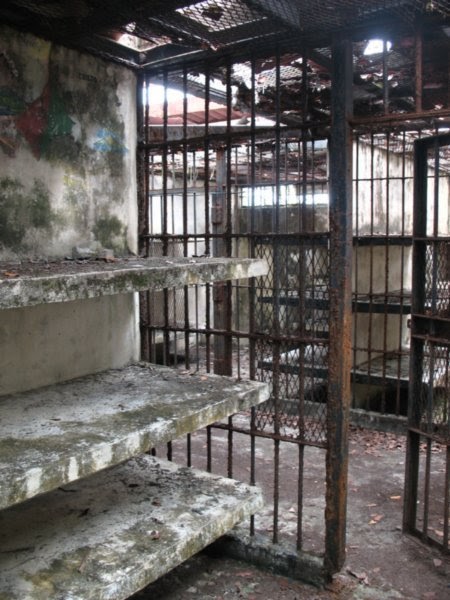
<point>312,236</point>
<point>386,267</point>
<point>300,481</point>
<point>219,138</point>
<point>269,435</point>
<point>282,339</point>
<point>189,450</point>
<point>221,299</point>
<point>427,489</point>
<point>252,461</point>
<point>402,118</point>
<point>185,220</point>
<point>385,78</point>
<point>419,69</point>
<point>447,500</point>
<point>340,323</point>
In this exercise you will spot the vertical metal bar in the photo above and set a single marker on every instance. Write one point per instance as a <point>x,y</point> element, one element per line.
<point>370,348</point>
<point>165,170</point>
<point>447,500</point>
<point>426,492</point>
<point>228,231</point>
<point>221,291</point>
<point>143,162</point>
<point>276,285</point>
<point>357,146</point>
<point>416,356</point>
<point>206,188</point>
<point>230,447</point>
<point>189,450</point>
<point>386,275</point>
<point>143,176</point>
<point>402,275</point>
<point>340,305</point>
<point>419,69</point>
<point>165,220</point>
<point>301,462</point>
<point>185,218</point>
<point>252,290</point>
<point>252,463</point>
<point>276,490</point>
<point>208,449</point>
<point>385,78</point>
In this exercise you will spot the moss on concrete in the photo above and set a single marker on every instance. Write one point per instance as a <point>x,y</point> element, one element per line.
<point>111,233</point>
<point>22,211</point>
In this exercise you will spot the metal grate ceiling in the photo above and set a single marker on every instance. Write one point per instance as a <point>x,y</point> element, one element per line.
<point>142,34</point>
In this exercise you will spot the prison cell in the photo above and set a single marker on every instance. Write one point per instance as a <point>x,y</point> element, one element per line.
<point>218,178</point>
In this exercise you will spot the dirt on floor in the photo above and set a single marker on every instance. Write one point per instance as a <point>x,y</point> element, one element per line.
<point>382,563</point>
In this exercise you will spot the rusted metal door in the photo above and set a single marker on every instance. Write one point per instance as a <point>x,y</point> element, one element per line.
<point>427,484</point>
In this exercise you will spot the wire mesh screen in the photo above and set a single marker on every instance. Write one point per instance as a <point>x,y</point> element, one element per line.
<point>292,304</point>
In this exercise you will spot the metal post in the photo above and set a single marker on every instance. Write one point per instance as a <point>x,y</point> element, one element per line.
<point>416,346</point>
<point>340,305</point>
<point>221,297</point>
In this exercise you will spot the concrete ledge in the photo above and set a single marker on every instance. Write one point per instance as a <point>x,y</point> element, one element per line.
<point>60,433</point>
<point>109,536</point>
<point>378,421</point>
<point>279,558</point>
<point>27,284</point>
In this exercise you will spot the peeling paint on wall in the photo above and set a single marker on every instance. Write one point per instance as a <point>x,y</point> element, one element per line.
<point>67,127</point>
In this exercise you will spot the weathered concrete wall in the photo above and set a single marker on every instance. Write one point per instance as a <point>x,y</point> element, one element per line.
<point>383,204</point>
<point>67,139</point>
<point>67,178</point>
<point>50,343</point>
<point>377,202</point>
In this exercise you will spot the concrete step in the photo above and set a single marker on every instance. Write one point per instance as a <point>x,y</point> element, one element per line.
<point>107,536</point>
<point>27,284</point>
<point>61,433</point>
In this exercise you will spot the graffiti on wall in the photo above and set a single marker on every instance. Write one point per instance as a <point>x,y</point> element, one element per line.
<point>47,117</point>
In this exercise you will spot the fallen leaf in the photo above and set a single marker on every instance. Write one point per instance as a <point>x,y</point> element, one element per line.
<point>437,562</point>
<point>375,519</point>
<point>360,576</point>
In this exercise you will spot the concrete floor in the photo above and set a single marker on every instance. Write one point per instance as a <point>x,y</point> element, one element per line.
<point>382,563</point>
